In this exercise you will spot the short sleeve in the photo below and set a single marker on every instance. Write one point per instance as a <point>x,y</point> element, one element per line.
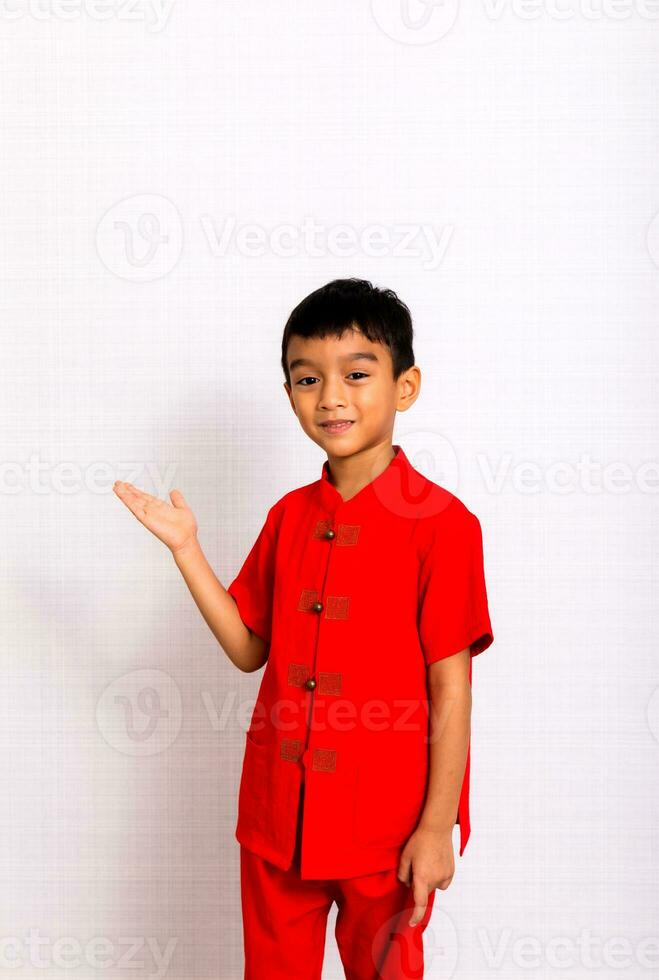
<point>453,609</point>
<point>253,586</point>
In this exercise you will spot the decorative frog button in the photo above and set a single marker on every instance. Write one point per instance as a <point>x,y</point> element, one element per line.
<point>310,684</point>
<point>317,607</point>
<point>329,533</point>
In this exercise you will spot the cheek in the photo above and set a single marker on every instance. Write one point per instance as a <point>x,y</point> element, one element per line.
<point>305,409</point>
<point>374,399</point>
<point>299,399</point>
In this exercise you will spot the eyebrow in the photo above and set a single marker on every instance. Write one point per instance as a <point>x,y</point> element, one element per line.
<point>360,355</point>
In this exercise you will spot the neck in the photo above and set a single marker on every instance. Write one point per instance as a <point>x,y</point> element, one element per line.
<point>350,474</point>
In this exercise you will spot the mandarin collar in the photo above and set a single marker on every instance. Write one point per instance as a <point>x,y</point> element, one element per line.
<point>386,486</point>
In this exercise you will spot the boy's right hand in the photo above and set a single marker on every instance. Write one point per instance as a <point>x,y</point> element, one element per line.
<point>174,524</point>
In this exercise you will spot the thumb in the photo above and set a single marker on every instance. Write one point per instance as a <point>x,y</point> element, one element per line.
<point>404,870</point>
<point>177,498</point>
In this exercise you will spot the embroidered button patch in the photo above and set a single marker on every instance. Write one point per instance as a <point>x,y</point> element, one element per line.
<point>347,534</point>
<point>336,607</point>
<point>290,748</point>
<point>324,760</point>
<point>329,683</point>
<point>297,674</point>
<point>321,528</point>
<point>307,599</point>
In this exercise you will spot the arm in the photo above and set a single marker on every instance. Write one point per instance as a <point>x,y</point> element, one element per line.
<point>175,525</point>
<point>450,722</point>
<point>245,649</point>
<point>453,617</point>
<point>427,861</point>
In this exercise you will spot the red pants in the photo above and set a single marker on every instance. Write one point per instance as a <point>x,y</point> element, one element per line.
<point>285,919</point>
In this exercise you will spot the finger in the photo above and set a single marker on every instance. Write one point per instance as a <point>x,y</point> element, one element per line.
<point>177,498</point>
<point>420,900</point>
<point>136,505</point>
<point>145,501</point>
<point>128,490</point>
<point>404,870</point>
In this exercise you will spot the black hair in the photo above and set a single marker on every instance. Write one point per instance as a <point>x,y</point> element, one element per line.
<point>346,303</point>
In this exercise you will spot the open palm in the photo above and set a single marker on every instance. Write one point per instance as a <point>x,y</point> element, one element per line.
<point>174,524</point>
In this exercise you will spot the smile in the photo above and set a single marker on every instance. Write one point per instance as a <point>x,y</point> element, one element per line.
<point>336,427</point>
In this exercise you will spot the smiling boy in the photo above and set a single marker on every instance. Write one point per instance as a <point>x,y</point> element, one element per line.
<point>364,597</point>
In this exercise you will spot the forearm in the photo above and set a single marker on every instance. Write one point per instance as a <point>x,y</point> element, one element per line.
<point>450,720</point>
<point>219,609</point>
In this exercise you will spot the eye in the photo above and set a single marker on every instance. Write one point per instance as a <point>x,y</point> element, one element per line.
<point>302,381</point>
<point>363,374</point>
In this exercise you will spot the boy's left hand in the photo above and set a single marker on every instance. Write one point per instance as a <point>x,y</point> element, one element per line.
<point>427,862</point>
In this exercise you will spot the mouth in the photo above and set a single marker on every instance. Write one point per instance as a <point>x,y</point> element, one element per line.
<point>340,425</point>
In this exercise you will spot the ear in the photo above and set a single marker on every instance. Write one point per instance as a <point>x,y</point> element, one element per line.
<point>409,386</point>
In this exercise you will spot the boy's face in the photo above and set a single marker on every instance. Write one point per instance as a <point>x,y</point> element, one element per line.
<point>348,379</point>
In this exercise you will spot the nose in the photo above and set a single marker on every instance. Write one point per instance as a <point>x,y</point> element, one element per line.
<point>332,394</point>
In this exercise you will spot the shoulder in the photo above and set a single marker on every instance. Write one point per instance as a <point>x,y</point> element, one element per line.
<point>291,501</point>
<point>448,523</point>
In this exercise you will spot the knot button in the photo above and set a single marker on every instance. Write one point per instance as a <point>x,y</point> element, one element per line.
<point>310,684</point>
<point>329,533</point>
<point>317,607</point>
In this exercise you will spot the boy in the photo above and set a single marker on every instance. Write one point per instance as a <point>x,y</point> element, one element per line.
<point>364,595</point>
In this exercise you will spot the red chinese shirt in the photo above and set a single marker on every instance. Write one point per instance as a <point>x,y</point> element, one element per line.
<point>355,599</point>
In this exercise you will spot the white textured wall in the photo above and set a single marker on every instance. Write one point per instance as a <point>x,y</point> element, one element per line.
<point>497,166</point>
